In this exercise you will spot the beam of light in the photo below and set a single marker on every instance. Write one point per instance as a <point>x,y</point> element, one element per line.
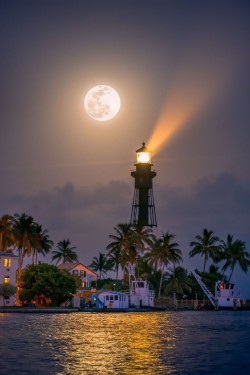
<point>185,101</point>
<point>194,88</point>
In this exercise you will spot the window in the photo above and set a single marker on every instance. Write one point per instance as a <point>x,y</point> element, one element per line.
<point>6,279</point>
<point>7,262</point>
<point>107,298</point>
<point>111,298</point>
<point>75,272</point>
<point>83,284</point>
<point>83,273</point>
<point>116,298</point>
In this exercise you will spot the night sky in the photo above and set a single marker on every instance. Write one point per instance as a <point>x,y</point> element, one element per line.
<point>182,71</point>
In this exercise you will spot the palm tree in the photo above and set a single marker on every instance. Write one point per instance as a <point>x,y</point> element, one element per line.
<point>101,264</point>
<point>7,237</point>
<point>178,282</point>
<point>45,244</point>
<point>114,258</point>
<point>174,253</point>
<point>122,245</point>
<point>143,239</point>
<point>234,252</point>
<point>65,252</point>
<point>26,238</point>
<point>128,243</point>
<point>164,251</point>
<point>206,245</point>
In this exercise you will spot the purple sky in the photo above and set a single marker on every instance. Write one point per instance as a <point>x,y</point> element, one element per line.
<point>71,173</point>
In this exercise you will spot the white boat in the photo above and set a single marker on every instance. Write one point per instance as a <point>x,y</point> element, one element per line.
<point>140,294</point>
<point>225,295</point>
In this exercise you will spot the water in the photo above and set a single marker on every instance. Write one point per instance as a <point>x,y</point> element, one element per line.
<point>188,342</point>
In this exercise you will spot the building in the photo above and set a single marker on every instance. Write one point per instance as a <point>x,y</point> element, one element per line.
<point>83,294</point>
<point>8,269</point>
<point>79,269</point>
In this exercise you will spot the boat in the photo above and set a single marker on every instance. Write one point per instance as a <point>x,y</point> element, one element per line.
<point>140,294</point>
<point>225,295</point>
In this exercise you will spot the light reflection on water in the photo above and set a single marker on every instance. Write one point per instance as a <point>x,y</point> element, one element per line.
<point>125,343</point>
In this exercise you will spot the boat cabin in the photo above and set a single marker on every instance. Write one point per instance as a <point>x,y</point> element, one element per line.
<point>226,296</point>
<point>140,294</point>
<point>111,300</point>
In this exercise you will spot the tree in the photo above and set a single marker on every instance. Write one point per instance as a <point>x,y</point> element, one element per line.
<point>46,282</point>
<point>65,252</point>
<point>129,243</point>
<point>234,253</point>
<point>121,246</point>
<point>163,252</point>
<point>207,245</point>
<point>114,258</point>
<point>101,264</point>
<point>26,237</point>
<point>44,243</point>
<point>7,290</point>
<point>142,238</point>
<point>7,237</point>
<point>178,282</point>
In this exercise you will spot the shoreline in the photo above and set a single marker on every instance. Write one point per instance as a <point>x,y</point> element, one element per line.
<point>24,310</point>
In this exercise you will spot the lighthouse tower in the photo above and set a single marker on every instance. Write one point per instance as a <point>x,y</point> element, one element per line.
<point>143,208</point>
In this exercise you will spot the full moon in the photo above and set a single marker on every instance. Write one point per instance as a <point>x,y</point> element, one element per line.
<point>102,103</point>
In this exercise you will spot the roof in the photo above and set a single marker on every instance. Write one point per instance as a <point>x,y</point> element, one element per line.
<point>6,254</point>
<point>71,266</point>
<point>112,292</point>
<point>67,266</point>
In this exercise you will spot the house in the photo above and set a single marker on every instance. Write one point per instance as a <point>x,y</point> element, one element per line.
<point>8,269</point>
<point>79,269</point>
<point>83,294</point>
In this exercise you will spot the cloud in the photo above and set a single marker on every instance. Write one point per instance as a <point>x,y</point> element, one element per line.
<point>87,215</point>
<point>84,215</point>
<point>221,204</point>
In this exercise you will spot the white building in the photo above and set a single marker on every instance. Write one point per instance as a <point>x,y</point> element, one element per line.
<point>8,269</point>
<point>112,300</point>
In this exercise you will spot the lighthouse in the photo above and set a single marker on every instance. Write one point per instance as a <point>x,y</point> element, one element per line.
<point>143,208</point>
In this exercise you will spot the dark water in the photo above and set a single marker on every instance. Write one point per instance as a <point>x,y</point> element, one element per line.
<point>125,343</point>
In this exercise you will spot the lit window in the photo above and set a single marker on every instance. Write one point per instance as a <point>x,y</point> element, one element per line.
<point>6,279</point>
<point>7,262</point>
<point>83,284</point>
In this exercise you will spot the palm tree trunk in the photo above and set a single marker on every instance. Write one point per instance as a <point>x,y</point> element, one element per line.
<point>204,267</point>
<point>159,293</point>
<point>232,270</point>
